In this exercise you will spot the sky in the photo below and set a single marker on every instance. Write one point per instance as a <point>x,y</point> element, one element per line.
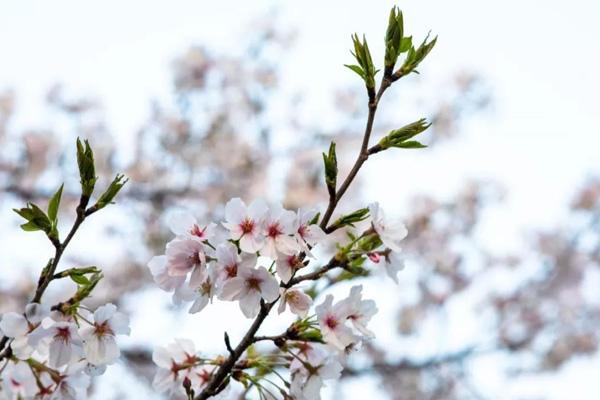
<point>540,140</point>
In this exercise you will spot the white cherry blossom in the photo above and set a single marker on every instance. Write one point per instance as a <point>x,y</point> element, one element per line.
<point>332,320</point>
<point>298,301</point>
<point>286,265</point>
<point>18,381</point>
<point>228,262</point>
<point>65,343</point>
<point>359,311</point>
<point>391,232</point>
<point>279,228</point>
<point>307,234</point>
<point>245,223</point>
<point>184,224</point>
<point>249,287</point>
<point>309,369</point>
<point>100,344</point>
<point>176,361</point>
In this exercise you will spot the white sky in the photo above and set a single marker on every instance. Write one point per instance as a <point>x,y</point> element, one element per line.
<point>540,58</point>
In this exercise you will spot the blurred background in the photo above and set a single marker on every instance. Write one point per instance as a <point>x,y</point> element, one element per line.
<point>198,102</point>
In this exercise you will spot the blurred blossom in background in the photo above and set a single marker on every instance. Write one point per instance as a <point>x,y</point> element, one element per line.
<point>199,102</point>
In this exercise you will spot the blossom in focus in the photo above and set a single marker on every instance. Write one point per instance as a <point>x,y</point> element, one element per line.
<point>298,301</point>
<point>332,320</point>
<point>390,232</point>
<point>185,255</point>
<point>286,265</point>
<point>249,287</point>
<point>245,223</point>
<point>184,224</point>
<point>228,262</point>
<point>100,343</point>
<point>279,229</point>
<point>65,343</point>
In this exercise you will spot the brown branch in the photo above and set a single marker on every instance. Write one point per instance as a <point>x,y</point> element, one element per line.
<point>48,273</point>
<point>218,380</point>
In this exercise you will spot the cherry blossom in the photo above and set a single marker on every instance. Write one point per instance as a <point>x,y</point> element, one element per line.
<point>18,381</point>
<point>279,229</point>
<point>307,234</point>
<point>249,287</point>
<point>99,339</point>
<point>390,232</point>
<point>65,344</point>
<point>286,265</point>
<point>184,224</point>
<point>360,311</point>
<point>298,301</point>
<point>176,361</point>
<point>185,255</point>
<point>332,320</point>
<point>309,369</point>
<point>73,384</point>
<point>228,262</point>
<point>18,327</point>
<point>159,269</point>
<point>245,223</point>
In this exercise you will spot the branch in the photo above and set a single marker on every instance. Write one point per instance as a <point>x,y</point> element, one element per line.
<point>48,273</point>
<point>217,382</point>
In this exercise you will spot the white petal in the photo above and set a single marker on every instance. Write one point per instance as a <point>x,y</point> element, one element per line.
<point>250,304</point>
<point>232,288</point>
<point>258,209</point>
<point>235,210</point>
<point>181,222</point>
<point>13,325</point>
<point>104,313</point>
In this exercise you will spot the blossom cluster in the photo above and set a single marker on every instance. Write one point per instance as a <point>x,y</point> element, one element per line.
<point>254,257</point>
<point>54,354</point>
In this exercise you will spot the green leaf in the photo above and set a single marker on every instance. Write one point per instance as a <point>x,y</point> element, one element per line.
<point>54,204</point>
<point>37,220</point>
<point>413,144</point>
<point>87,170</point>
<point>400,137</point>
<point>111,192</point>
<point>352,218</point>
<point>357,69</point>
<point>80,279</point>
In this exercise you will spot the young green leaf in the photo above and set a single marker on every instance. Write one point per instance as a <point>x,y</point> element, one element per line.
<point>111,192</point>
<point>54,204</point>
<point>87,170</point>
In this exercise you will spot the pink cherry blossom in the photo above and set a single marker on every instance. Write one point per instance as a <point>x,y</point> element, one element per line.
<point>249,287</point>
<point>185,255</point>
<point>245,223</point>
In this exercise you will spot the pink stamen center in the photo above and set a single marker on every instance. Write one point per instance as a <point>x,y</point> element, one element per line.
<point>253,283</point>
<point>197,231</point>
<point>274,230</point>
<point>247,226</point>
<point>331,322</point>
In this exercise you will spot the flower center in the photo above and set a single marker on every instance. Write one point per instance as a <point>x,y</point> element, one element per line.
<point>331,322</point>
<point>103,330</point>
<point>247,225</point>
<point>231,270</point>
<point>253,283</point>
<point>274,230</point>
<point>63,334</point>
<point>195,258</point>
<point>197,231</point>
